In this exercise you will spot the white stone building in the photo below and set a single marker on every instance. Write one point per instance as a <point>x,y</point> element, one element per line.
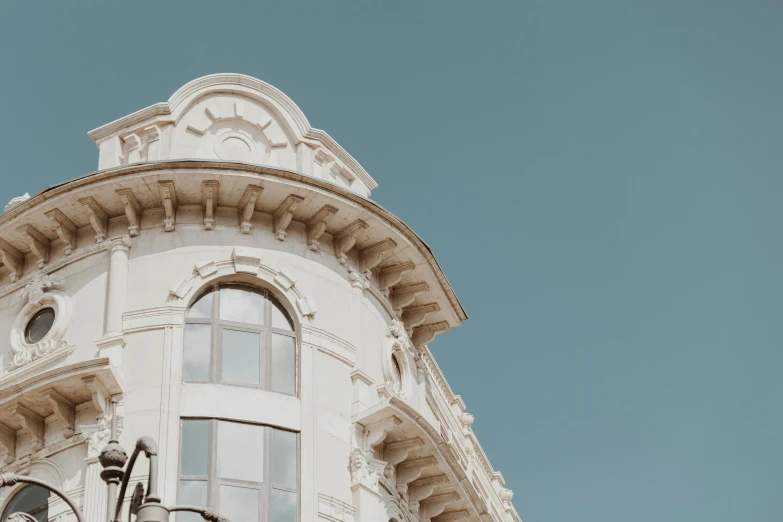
<point>226,278</point>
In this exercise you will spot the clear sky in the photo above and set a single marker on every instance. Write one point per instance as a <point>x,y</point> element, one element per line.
<point>601,182</point>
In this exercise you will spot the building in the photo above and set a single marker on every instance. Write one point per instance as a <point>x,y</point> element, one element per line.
<point>225,277</point>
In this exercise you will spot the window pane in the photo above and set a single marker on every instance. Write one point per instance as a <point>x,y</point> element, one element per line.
<point>282,455</point>
<point>202,309</point>
<point>198,341</point>
<point>283,364</point>
<point>279,317</point>
<point>240,452</point>
<point>241,356</point>
<point>194,451</point>
<point>241,306</point>
<point>238,504</point>
<point>191,493</point>
<point>283,506</point>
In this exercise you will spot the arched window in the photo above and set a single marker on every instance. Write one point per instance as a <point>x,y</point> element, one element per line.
<point>242,336</point>
<point>31,499</point>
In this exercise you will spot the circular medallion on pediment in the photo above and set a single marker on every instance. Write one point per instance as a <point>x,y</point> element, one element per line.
<point>234,146</point>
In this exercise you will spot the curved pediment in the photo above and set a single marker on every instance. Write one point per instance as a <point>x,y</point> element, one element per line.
<point>230,117</point>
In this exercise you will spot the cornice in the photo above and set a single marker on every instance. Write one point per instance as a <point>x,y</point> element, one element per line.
<point>175,167</point>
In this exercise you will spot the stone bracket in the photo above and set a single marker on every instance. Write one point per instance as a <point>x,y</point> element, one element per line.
<point>345,239</point>
<point>64,410</point>
<point>7,444</point>
<point>410,470</point>
<point>435,505</point>
<point>168,197</point>
<point>372,255</point>
<point>132,210</point>
<point>65,228</point>
<point>32,424</point>
<point>421,489</point>
<point>402,296</point>
<point>13,259</point>
<point>426,333</point>
<point>284,214</point>
<point>100,396</point>
<point>316,226</point>
<point>209,199</point>
<point>453,516</point>
<point>398,451</point>
<point>39,244</point>
<point>414,316</point>
<point>247,205</point>
<point>377,431</point>
<point>98,217</point>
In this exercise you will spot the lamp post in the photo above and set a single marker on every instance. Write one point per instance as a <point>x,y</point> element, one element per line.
<point>146,508</point>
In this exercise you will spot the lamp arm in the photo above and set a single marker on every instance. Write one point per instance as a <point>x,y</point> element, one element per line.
<point>206,514</point>
<point>125,480</point>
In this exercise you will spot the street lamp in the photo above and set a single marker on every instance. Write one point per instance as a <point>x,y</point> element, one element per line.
<point>146,508</point>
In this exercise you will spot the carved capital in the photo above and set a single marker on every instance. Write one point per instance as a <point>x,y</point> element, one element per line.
<point>284,214</point>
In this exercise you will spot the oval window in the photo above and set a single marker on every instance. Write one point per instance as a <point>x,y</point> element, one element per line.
<point>39,325</point>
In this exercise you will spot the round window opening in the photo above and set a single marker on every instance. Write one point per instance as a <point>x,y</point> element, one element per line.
<point>39,325</point>
<point>397,373</point>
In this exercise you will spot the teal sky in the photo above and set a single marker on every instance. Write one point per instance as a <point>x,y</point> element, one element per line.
<point>601,182</point>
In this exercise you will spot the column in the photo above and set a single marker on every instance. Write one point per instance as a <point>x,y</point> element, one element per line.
<point>113,341</point>
<point>94,507</point>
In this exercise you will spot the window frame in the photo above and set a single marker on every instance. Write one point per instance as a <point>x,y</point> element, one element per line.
<point>265,332</point>
<point>214,482</point>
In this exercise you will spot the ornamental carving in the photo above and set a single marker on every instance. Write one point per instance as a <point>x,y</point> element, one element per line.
<point>100,435</point>
<point>40,293</point>
<point>366,471</point>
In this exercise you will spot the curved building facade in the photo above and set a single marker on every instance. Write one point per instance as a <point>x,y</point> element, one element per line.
<point>226,279</point>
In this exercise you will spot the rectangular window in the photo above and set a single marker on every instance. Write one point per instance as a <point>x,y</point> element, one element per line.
<point>245,472</point>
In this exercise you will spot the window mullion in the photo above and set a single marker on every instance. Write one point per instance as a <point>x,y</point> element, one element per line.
<point>212,487</point>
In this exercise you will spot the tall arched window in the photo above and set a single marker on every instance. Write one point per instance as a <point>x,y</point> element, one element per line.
<point>32,500</point>
<point>242,336</point>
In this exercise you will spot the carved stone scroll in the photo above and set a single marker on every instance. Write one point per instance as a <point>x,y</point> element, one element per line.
<point>372,255</point>
<point>345,239</point>
<point>389,276</point>
<point>65,228</point>
<point>13,259</point>
<point>402,296</point>
<point>414,316</point>
<point>316,226</point>
<point>284,214</point>
<point>64,410</point>
<point>377,431</point>
<point>32,424</point>
<point>410,470</point>
<point>398,451</point>
<point>168,197</point>
<point>247,205</point>
<point>98,217</point>
<point>209,198</point>
<point>132,210</point>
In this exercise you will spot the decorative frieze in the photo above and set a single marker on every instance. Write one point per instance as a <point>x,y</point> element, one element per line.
<point>132,210</point>
<point>284,214</point>
<point>65,229</point>
<point>316,226</point>
<point>168,198</point>
<point>247,205</point>
<point>98,217</point>
<point>209,199</point>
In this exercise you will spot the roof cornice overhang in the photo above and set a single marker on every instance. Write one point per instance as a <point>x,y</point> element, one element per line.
<point>175,167</point>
